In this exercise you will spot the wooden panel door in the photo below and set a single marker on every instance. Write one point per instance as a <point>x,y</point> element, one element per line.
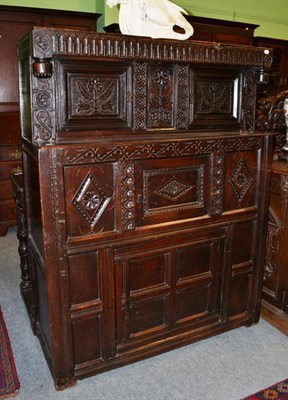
<point>171,286</point>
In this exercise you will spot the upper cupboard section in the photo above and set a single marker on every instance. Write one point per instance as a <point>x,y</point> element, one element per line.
<point>133,85</point>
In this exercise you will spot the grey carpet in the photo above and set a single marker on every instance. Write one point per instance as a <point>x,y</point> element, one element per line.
<point>226,367</point>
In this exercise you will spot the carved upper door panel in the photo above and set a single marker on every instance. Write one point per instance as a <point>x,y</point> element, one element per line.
<point>216,97</point>
<point>93,96</point>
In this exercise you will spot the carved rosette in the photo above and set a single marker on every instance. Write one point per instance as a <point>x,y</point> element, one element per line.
<point>42,45</point>
<point>140,95</point>
<point>217,184</point>
<point>250,101</point>
<point>127,196</point>
<point>43,110</point>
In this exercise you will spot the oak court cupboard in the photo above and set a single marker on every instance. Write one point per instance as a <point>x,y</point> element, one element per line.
<point>146,191</point>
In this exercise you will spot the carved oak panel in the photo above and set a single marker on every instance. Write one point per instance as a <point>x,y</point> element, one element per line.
<point>90,199</point>
<point>87,307</point>
<point>216,97</point>
<point>170,189</point>
<point>93,96</point>
<point>243,247</point>
<point>175,284</point>
<point>275,268</point>
<point>241,180</point>
<point>161,101</point>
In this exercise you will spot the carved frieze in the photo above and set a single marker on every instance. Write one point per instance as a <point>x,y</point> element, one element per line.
<point>57,41</point>
<point>160,150</point>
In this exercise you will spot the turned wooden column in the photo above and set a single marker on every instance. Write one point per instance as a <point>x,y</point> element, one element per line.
<point>26,284</point>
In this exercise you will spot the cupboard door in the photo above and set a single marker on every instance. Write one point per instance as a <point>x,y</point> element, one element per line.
<point>167,287</point>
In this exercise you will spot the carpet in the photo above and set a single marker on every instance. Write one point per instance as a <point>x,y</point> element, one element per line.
<point>9,383</point>
<point>279,391</point>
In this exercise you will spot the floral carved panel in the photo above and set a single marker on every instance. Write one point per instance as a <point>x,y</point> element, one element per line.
<point>215,99</point>
<point>160,108</point>
<point>94,97</point>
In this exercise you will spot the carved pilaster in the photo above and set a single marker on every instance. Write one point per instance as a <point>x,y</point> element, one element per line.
<point>250,101</point>
<point>217,184</point>
<point>140,95</point>
<point>43,110</point>
<point>182,96</point>
<point>127,196</point>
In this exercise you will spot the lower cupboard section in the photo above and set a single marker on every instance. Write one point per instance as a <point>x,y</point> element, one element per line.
<point>156,294</point>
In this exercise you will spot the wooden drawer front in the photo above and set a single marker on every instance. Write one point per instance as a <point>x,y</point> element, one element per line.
<point>6,190</point>
<point>168,286</point>
<point>242,267</point>
<point>90,199</point>
<point>86,306</point>
<point>171,189</point>
<point>241,180</point>
<point>8,168</point>
<point>10,153</point>
<point>8,211</point>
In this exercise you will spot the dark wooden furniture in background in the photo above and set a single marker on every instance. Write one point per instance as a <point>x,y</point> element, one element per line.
<point>221,31</point>
<point>279,75</point>
<point>270,118</point>
<point>146,193</point>
<point>14,23</point>
<point>275,288</point>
